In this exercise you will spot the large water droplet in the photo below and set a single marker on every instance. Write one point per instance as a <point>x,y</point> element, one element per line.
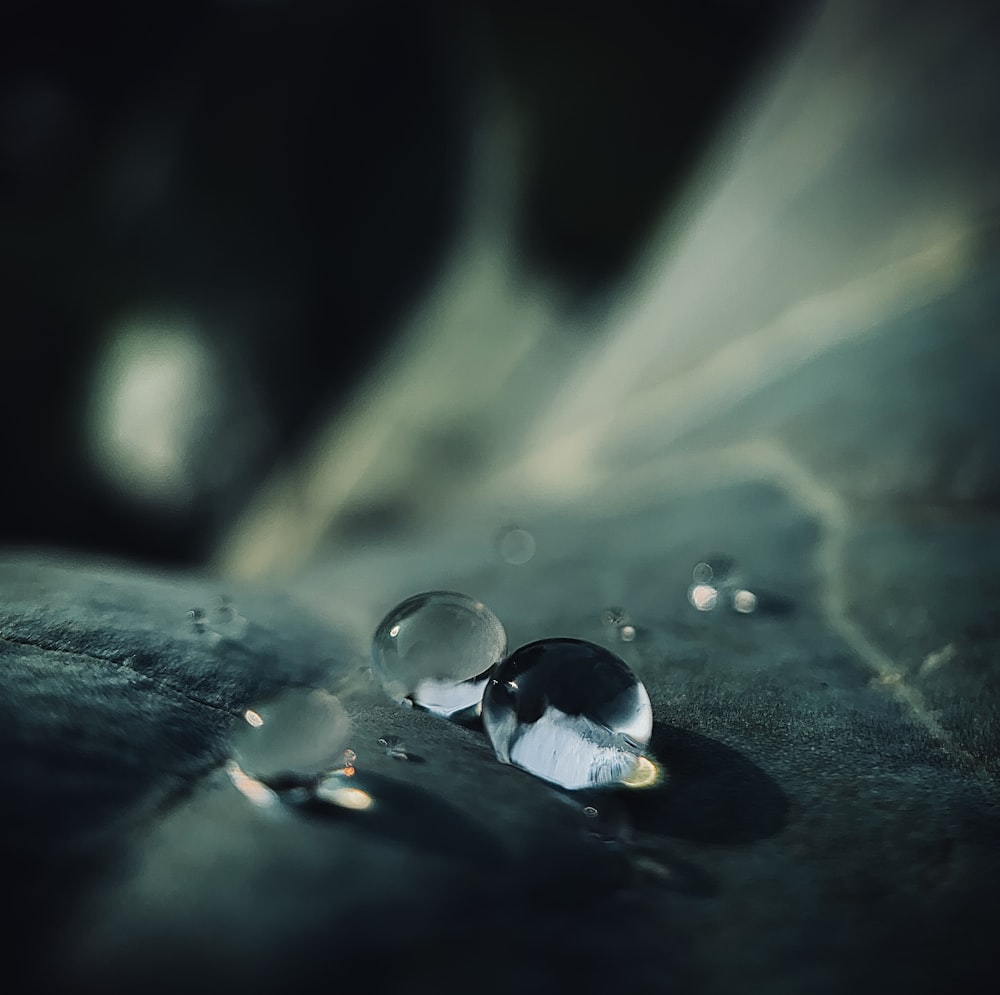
<point>436,650</point>
<point>568,711</point>
<point>301,731</point>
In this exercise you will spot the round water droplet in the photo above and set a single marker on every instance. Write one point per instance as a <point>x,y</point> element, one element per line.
<point>704,597</point>
<point>568,711</point>
<point>516,546</point>
<point>436,650</point>
<point>300,731</point>
<point>627,633</point>
<point>744,602</point>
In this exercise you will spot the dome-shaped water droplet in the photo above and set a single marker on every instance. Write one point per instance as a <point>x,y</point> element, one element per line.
<point>436,650</point>
<point>568,711</point>
<point>515,545</point>
<point>300,731</point>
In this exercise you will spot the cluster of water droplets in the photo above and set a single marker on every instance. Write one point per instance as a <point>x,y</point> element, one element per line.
<point>717,583</point>
<point>566,710</point>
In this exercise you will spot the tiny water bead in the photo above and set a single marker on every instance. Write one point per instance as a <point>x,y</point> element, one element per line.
<point>617,620</point>
<point>436,650</point>
<point>300,731</point>
<point>568,711</point>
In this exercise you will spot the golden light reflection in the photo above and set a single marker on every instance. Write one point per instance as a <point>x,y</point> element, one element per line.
<point>255,791</point>
<point>645,774</point>
<point>344,797</point>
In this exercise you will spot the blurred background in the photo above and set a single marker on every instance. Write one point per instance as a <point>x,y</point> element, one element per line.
<point>283,277</point>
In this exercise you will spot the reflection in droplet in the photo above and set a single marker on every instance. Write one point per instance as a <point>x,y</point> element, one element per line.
<point>299,731</point>
<point>435,651</point>
<point>515,545</point>
<point>627,633</point>
<point>590,812</point>
<point>704,597</point>
<point>568,711</point>
<point>744,602</point>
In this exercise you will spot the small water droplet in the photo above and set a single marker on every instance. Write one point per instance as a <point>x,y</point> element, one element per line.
<point>618,621</point>
<point>579,717</point>
<point>349,757</point>
<point>394,747</point>
<point>590,812</point>
<point>744,602</point>
<point>704,597</point>
<point>702,573</point>
<point>516,545</point>
<point>436,650</point>
<point>299,731</point>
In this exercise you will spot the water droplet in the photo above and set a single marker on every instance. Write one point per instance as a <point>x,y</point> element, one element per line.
<point>349,757</point>
<point>226,621</point>
<point>516,545</point>
<point>618,621</point>
<point>568,711</point>
<point>436,650</point>
<point>704,597</point>
<point>300,731</point>
<point>590,812</point>
<point>744,602</point>
<point>394,747</point>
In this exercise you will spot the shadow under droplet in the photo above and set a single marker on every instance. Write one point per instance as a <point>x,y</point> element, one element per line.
<point>409,815</point>
<point>772,603</point>
<point>712,793</point>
